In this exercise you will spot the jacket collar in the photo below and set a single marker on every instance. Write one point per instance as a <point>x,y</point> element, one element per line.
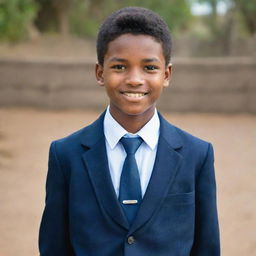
<point>164,171</point>
<point>95,131</point>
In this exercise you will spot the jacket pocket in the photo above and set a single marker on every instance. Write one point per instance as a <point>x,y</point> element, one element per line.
<point>183,198</point>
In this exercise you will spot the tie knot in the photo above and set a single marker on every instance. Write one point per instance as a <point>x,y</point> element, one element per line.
<point>131,144</point>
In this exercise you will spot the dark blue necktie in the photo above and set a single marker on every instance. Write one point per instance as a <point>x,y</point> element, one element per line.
<point>130,190</point>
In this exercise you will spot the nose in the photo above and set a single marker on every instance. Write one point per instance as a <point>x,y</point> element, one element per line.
<point>134,78</point>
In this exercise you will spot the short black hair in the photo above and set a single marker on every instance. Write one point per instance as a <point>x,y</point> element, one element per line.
<point>136,21</point>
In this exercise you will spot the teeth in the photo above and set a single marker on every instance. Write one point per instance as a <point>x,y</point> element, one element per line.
<point>134,95</point>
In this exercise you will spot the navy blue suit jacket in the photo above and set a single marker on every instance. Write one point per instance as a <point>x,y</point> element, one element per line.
<point>177,217</point>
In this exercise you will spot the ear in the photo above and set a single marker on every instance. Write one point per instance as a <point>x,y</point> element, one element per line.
<point>168,75</point>
<point>99,74</point>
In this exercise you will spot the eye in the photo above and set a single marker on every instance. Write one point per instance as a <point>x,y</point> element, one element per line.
<point>118,67</point>
<point>150,67</point>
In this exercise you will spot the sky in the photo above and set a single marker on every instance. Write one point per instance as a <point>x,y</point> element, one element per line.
<point>204,8</point>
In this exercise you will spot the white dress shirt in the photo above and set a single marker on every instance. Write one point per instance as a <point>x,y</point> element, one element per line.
<point>145,155</point>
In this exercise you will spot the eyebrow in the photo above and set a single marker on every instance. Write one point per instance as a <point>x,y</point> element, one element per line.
<point>151,60</point>
<point>147,60</point>
<point>113,59</point>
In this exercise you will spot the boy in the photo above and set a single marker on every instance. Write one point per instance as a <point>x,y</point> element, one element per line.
<point>131,183</point>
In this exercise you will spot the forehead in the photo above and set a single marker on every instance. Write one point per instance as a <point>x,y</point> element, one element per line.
<point>132,46</point>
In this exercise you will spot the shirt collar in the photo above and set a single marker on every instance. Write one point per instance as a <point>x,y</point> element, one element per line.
<point>114,131</point>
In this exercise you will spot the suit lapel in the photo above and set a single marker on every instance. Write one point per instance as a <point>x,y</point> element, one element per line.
<point>95,159</point>
<point>165,169</point>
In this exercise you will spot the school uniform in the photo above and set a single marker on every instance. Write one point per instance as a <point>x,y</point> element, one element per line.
<point>177,215</point>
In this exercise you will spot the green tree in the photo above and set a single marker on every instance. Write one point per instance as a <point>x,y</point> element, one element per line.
<point>87,15</point>
<point>212,20</point>
<point>62,13</point>
<point>247,9</point>
<point>15,18</point>
<point>54,15</point>
<point>176,13</point>
<point>223,28</point>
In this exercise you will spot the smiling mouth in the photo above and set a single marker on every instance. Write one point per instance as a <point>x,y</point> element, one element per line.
<point>134,94</point>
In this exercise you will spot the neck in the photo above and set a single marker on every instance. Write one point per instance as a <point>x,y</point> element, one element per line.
<point>132,123</point>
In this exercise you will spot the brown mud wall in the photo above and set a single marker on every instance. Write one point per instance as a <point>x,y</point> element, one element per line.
<point>225,85</point>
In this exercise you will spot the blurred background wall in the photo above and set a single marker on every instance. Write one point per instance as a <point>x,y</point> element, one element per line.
<point>224,85</point>
<point>50,47</point>
<point>48,90</point>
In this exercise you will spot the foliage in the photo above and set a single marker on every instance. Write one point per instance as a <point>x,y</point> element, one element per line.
<point>87,15</point>
<point>15,17</point>
<point>225,30</point>
<point>53,15</point>
<point>81,17</point>
<point>176,13</point>
<point>46,20</point>
<point>247,10</point>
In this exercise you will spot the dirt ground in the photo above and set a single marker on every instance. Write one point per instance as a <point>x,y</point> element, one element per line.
<point>25,135</point>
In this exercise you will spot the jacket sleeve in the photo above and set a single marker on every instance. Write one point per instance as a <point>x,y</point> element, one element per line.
<point>206,240</point>
<point>54,233</point>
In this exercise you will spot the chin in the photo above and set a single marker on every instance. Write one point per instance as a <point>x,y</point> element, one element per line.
<point>138,111</point>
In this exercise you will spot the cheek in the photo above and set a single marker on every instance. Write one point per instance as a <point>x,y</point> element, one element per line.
<point>157,79</point>
<point>112,80</point>
<point>157,85</point>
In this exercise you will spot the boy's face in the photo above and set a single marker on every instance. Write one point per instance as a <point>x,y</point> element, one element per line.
<point>134,74</point>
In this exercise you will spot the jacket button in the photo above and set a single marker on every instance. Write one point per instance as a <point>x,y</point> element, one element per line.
<point>130,240</point>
